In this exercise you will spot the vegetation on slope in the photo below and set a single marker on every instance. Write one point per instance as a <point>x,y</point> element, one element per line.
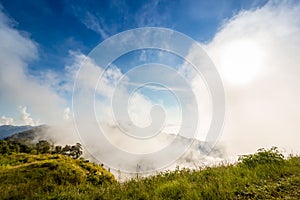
<point>271,177</point>
<point>264,175</point>
<point>42,147</point>
<point>47,176</point>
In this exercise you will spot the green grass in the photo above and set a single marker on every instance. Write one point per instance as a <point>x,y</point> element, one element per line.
<point>268,176</point>
<point>265,181</point>
<point>47,176</point>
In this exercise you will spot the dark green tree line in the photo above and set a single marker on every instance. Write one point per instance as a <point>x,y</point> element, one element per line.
<point>42,147</point>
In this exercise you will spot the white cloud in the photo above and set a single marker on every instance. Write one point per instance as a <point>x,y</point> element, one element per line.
<point>257,54</point>
<point>25,116</point>
<point>41,94</point>
<point>95,24</point>
<point>139,106</point>
<point>6,121</point>
<point>67,113</point>
<point>17,86</point>
<point>86,73</point>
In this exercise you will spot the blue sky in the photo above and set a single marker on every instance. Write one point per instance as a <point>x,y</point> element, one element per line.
<point>61,26</point>
<point>255,46</point>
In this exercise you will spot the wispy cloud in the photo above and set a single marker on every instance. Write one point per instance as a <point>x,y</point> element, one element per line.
<point>150,14</point>
<point>96,24</point>
<point>91,20</point>
<point>154,86</point>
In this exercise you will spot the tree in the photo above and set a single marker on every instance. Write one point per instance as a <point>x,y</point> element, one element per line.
<point>66,150</point>
<point>58,149</point>
<point>4,148</point>
<point>74,151</point>
<point>43,146</point>
<point>14,147</point>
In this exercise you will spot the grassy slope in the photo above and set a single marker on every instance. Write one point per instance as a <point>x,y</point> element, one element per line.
<point>268,181</point>
<point>224,182</point>
<point>49,176</point>
<point>60,177</point>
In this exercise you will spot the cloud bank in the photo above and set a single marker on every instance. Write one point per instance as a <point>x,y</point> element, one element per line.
<point>17,85</point>
<point>257,54</point>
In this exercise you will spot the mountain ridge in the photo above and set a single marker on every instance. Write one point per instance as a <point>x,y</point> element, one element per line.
<point>9,130</point>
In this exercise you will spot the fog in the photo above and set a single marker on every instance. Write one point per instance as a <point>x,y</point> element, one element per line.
<point>256,53</point>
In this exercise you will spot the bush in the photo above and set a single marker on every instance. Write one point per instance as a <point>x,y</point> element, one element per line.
<point>262,156</point>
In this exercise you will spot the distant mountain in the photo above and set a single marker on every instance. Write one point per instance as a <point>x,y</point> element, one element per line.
<point>197,152</point>
<point>8,130</point>
<point>29,136</point>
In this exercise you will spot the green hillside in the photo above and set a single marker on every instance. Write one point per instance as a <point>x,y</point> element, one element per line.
<point>264,175</point>
<point>47,176</point>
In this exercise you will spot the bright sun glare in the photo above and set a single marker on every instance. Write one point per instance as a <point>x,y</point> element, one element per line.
<point>241,61</point>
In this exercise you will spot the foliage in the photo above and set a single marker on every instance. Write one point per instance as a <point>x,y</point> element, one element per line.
<point>262,156</point>
<point>74,151</point>
<point>8,147</point>
<point>55,176</point>
<point>42,147</point>
<point>49,176</point>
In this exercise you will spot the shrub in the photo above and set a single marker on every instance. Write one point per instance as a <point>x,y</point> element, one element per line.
<point>262,156</point>
<point>33,152</point>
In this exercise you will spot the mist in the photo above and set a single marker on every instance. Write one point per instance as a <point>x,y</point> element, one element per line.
<point>256,53</point>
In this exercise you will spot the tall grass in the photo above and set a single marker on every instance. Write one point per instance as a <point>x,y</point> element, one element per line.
<point>264,175</point>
